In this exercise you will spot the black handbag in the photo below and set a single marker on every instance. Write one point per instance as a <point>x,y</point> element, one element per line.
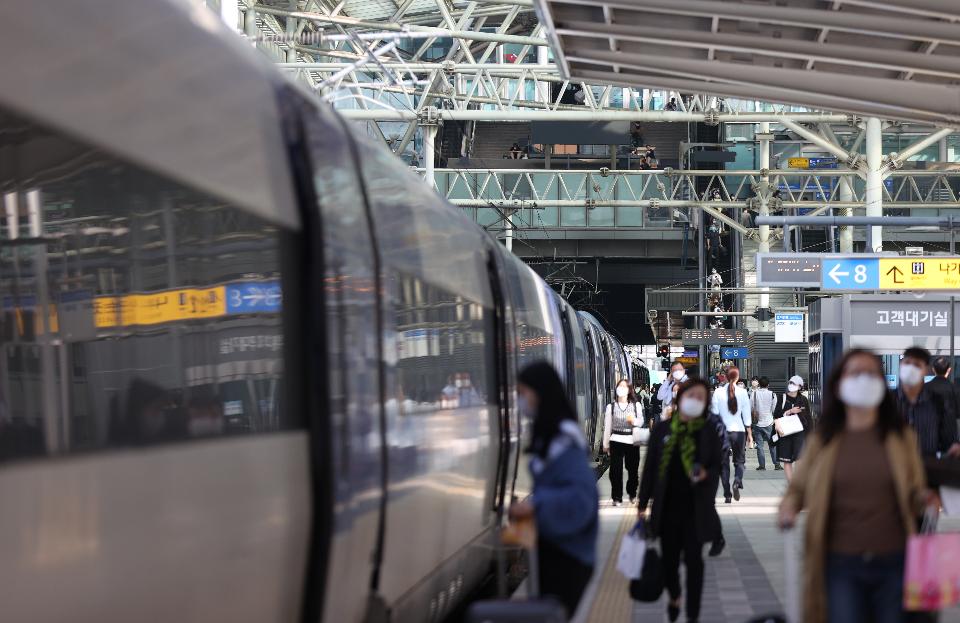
<point>649,586</point>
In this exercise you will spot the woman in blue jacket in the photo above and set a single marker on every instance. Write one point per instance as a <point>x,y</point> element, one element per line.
<point>564,503</point>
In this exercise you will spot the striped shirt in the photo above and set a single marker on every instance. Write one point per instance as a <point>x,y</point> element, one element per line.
<point>928,419</point>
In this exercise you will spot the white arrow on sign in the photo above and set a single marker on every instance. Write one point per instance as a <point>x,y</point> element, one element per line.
<point>835,273</point>
<point>255,296</point>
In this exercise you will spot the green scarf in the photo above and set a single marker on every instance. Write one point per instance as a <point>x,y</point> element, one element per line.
<point>685,434</point>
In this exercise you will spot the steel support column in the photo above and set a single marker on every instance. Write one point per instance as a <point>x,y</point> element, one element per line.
<point>429,138</point>
<point>230,14</point>
<point>874,186</point>
<point>764,196</point>
<point>846,232</point>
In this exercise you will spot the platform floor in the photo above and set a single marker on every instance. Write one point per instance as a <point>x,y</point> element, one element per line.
<point>745,581</point>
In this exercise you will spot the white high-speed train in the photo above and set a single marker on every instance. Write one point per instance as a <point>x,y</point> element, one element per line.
<point>253,369</point>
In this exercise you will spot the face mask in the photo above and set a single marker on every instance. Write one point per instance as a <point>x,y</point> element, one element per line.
<point>793,388</point>
<point>622,391</point>
<point>910,374</point>
<point>862,390</point>
<point>691,407</point>
<point>678,375</point>
<point>459,383</point>
<point>754,384</point>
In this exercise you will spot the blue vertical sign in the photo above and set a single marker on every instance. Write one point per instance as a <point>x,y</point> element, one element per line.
<point>850,273</point>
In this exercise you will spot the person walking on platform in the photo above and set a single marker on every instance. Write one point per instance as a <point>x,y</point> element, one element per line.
<point>619,419</point>
<point>564,504</point>
<point>923,407</point>
<point>762,404</point>
<point>678,374</point>
<point>732,404</point>
<point>863,485</point>
<point>792,403</point>
<point>680,476</point>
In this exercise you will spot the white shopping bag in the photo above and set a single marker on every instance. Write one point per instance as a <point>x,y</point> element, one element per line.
<point>633,548</point>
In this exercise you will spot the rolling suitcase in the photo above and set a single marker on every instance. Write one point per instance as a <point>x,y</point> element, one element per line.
<point>534,609</point>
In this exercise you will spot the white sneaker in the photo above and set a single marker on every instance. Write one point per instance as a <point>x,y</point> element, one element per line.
<point>633,500</point>
<point>615,503</point>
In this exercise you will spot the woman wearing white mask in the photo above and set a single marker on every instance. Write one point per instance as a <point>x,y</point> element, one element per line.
<point>792,403</point>
<point>681,474</point>
<point>862,483</point>
<point>620,418</point>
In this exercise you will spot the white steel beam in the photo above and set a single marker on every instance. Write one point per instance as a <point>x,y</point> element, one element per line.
<point>353,22</point>
<point>900,27</point>
<point>817,139</point>
<point>590,115</point>
<point>896,160</point>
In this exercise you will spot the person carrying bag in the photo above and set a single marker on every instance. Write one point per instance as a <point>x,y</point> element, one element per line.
<point>622,434</point>
<point>792,421</point>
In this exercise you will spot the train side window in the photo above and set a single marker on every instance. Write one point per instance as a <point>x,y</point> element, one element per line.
<point>135,310</point>
<point>444,348</point>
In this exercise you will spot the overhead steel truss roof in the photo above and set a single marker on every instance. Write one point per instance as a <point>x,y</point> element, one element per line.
<point>896,59</point>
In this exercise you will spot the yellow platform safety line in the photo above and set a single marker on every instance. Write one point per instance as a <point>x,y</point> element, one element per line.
<point>612,601</point>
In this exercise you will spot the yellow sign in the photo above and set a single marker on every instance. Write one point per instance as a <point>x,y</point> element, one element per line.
<point>159,307</point>
<point>798,163</point>
<point>920,273</point>
<point>688,361</point>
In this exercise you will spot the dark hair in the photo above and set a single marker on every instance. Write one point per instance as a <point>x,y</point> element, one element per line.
<point>733,374</point>
<point>693,383</point>
<point>631,391</point>
<point>941,365</point>
<point>834,416</point>
<point>921,354</point>
<point>764,382</point>
<point>678,363</point>
<point>553,407</point>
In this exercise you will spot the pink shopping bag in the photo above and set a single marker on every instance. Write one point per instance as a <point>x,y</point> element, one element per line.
<point>931,580</point>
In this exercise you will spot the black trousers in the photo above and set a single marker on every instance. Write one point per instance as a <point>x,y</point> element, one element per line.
<point>620,454</point>
<point>562,576</point>
<point>678,535</point>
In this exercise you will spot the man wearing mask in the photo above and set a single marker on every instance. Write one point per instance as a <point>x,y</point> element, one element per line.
<point>678,374</point>
<point>924,410</point>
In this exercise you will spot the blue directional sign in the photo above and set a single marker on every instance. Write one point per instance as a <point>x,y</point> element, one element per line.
<point>253,297</point>
<point>731,352</point>
<point>851,273</point>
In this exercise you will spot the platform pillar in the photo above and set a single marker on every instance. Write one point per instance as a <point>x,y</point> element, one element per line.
<point>874,191</point>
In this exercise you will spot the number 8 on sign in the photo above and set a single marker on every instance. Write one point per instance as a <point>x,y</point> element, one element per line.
<point>860,273</point>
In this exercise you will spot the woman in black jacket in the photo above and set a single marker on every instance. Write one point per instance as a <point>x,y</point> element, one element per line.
<point>792,403</point>
<point>681,474</point>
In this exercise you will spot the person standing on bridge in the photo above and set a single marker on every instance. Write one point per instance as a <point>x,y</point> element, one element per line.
<point>680,476</point>
<point>564,504</point>
<point>863,485</point>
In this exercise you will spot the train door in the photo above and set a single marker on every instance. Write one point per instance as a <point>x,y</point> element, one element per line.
<point>569,354</point>
<point>503,376</point>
